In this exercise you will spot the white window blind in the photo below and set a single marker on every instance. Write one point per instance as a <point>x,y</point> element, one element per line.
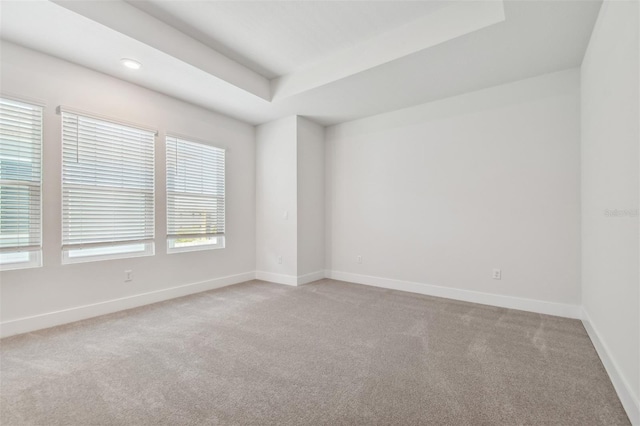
<point>107,189</point>
<point>195,195</point>
<point>20,184</point>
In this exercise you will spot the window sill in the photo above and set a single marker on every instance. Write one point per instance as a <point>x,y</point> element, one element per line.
<point>219,244</point>
<point>33,260</point>
<point>76,255</point>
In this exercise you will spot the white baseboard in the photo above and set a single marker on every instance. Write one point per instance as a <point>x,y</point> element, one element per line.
<point>627,398</point>
<point>277,278</point>
<point>311,277</point>
<point>51,319</point>
<point>289,279</point>
<point>530,305</point>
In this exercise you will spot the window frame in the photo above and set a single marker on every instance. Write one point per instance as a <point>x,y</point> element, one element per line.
<point>220,238</point>
<point>34,258</point>
<point>92,252</point>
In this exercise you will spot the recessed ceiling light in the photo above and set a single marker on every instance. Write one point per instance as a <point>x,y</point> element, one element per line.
<point>130,63</point>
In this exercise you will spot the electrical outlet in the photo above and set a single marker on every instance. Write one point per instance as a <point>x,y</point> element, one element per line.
<point>497,274</point>
<point>128,276</point>
<point>359,259</point>
<point>280,259</point>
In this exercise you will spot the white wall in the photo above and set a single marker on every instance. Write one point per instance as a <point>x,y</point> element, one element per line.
<point>276,200</point>
<point>290,201</point>
<point>610,181</point>
<point>442,193</point>
<point>310,198</point>
<point>56,287</point>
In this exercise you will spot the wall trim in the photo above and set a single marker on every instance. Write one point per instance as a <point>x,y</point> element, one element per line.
<point>290,279</point>
<point>511,302</point>
<point>627,398</point>
<point>311,277</point>
<point>277,278</point>
<point>65,316</point>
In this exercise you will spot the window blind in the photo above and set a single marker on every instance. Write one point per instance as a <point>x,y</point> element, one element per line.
<point>107,186</point>
<point>20,182</point>
<point>195,193</point>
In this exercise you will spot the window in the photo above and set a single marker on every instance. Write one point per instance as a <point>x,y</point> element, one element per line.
<point>107,189</point>
<point>195,195</point>
<point>20,185</point>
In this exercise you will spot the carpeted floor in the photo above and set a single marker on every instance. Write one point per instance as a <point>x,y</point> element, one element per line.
<point>329,353</point>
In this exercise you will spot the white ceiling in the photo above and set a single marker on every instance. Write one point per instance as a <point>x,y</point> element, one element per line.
<point>279,37</point>
<point>360,69</point>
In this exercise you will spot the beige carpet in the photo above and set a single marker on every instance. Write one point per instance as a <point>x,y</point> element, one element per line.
<point>329,353</point>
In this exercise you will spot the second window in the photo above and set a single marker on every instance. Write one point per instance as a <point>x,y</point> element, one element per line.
<point>195,195</point>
